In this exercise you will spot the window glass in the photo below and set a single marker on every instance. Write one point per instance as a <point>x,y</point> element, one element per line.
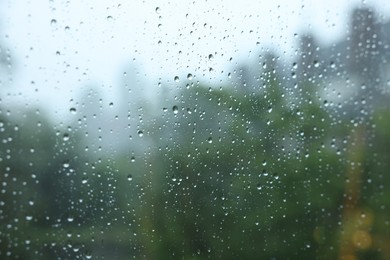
<point>195,130</point>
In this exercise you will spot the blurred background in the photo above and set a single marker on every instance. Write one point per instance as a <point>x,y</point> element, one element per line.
<point>195,130</point>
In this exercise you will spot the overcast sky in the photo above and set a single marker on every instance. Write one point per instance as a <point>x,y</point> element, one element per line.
<point>60,48</point>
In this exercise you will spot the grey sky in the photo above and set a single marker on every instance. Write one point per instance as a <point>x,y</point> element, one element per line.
<point>62,47</point>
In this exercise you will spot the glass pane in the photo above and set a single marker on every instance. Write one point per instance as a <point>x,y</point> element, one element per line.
<point>195,130</point>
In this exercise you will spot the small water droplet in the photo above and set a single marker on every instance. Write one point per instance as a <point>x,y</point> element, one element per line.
<point>72,110</point>
<point>140,133</point>
<point>88,254</point>
<point>66,164</point>
<point>210,140</point>
<point>65,137</point>
<point>53,21</point>
<point>326,103</point>
<point>129,177</point>
<point>189,76</point>
<point>132,159</point>
<point>211,57</point>
<point>175,109</point>
<point>158,10</point>
<point>176,78</point>
<point>70,219</point>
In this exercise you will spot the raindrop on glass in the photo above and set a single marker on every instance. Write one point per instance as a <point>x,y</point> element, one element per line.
<point>175,109</point>
<point>72,110</point>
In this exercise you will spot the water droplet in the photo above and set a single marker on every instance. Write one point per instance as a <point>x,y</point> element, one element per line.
<point>165,109</point>
<point>175,109</point>
<point>29,218</point>
<point>211,57</point>
<point>72,110</point>
<point>176,78</point>
<point>158,10</point>
<point>132,159</point>
<point>210,140</point>
<point>66,164</point>
<point>65,137</point>
<point>129,177</point>
<point>70,219</point>
<point>53,21</point>
<point>189,76</point>
<point>84,180</point>
<point>88,254</point>
<point>293,75</point>
<point>258,187</point>
<point>140,133</point>
<point>111,104</point>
